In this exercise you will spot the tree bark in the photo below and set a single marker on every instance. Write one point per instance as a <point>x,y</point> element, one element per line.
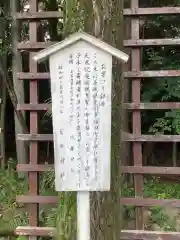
<point>21,147</point>
<point>105,206</point>
<point>3,65</point>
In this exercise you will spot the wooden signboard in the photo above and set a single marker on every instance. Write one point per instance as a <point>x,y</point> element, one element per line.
<point>81,78</point>
<point>81,110</point>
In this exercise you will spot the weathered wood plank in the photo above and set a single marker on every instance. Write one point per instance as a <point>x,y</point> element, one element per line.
<point>125,234</point>
<point>35,231</point>
<point>36,199</point>
<point>128,137</point>
<point>130,74</point>
<point>148,235</point>
<point>151,170</point>
<point>151,42</point>
<point>34,167</point>
<point>124,169</point>
<point>151,106</point>
<point>127,43</point>
<point>149,202</point>
<point>35,137</point>
<point>151,11</point>
<point>32,76</point>
<point>33,107</point>
<point>38,15</point>
<point>151,74</point>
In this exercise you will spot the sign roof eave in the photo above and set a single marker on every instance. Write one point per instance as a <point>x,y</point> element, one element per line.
<point>78,36</point>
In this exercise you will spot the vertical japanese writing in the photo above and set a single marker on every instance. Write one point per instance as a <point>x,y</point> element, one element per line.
<point>71,61</point>
<point>87,71</point>
<point>61,144</point>
<point>78,112</point>
<point>60,71</point>
<point>102,81</point>
<point>96,116</point>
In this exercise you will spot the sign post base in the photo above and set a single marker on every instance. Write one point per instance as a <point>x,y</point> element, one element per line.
<point>83,215</point>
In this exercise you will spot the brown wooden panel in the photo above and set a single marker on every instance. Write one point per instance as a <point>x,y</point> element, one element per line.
<point>149,235</point>
<point>150,138</point>
<point>152,106</point>
<point>35,231</point>
<point>151,42</point>
<point>34,45</point>
<point>151,170</point>
<point>150,202</point>
<point>33,209</point>
<point>32,76</point>
<point>35,137</point>
<point>150,74</point>
<point>36,199</point>
<point>130,74</point>
<point>151,11</point>
<point>136,115</point>
<point>38,15</point>
<point>33,107</point>
<point>126,137</point>
<point>34,167</point>
<point>127,43</point>
<point>125,234</point>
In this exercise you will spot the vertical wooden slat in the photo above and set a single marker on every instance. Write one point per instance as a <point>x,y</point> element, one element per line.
<point>136,115</point>
<point>33,176</point>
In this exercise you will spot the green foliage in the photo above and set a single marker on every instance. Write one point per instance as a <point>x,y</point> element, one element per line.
<point>13,214</point>
<point>154,188</point>
<point>161,89</point>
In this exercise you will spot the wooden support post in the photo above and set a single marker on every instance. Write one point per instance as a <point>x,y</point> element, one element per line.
<point>33,176</point>
<point>136,116</point>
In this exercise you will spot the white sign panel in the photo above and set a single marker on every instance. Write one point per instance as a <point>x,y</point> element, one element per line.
<point>81,107</point>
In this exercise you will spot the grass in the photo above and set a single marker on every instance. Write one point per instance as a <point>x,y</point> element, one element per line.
<point>13,214</point>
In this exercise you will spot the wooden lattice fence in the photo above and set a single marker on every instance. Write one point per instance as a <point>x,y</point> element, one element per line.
<point>134,75</point>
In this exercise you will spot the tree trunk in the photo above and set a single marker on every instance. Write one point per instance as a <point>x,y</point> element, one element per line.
<point>78,15</point>
<point>21,147</point>
<point>105,206</point>
<point>3,65</point>
<point>103,19</point>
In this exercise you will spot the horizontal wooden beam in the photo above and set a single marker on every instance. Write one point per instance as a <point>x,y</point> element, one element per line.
<point>35,231</point>
<point>149,202</point>
<point>127,43</point>
<point>152,42</point>
<point>36,199</point>
<point>150,170</point>
<point>152,106</point>
<point>130,74</point>
<point>34,167</point>
<point>151,11</point>
<point>132,106</point>
<point>148,235</point>
<point>125,234</point>
<point>152,74</point>
<point>38,15</point>
<point>128,137</point>
<point>33,107</point>
<point>34,45</point>
<point>124,169</point>
<point>138,201</point>
<point>32,76</point>
<point>35,137</point>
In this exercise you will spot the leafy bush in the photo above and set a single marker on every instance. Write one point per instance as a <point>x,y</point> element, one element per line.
<point>154,188</point>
